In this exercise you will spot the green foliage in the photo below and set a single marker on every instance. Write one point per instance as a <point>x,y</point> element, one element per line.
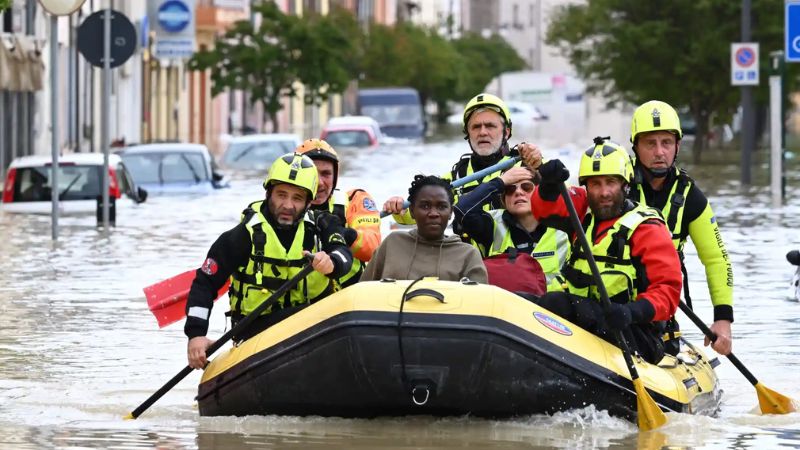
<point>270,61</point>
<point>441,70</point>
<point>324,53</point>
<point>484,59</point>
<point>4,4</point>
<point>676,51</point>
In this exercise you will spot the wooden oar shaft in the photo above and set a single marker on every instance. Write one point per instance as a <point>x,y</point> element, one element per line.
<point>713,338</point>
<point>241,326</point>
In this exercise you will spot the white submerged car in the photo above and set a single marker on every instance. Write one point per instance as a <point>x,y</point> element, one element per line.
<point>28,186</point>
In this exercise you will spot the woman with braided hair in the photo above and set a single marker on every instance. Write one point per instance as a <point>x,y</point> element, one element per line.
<point>426,251</point>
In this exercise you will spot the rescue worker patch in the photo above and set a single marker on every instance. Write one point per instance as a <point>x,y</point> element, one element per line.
<point>209,266</point>
<point>369,205</point>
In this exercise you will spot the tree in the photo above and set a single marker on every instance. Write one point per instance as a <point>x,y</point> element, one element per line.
<point>676,51</point>
<point>270,61</point>
<point>484,59</point>
<point>4,4</point>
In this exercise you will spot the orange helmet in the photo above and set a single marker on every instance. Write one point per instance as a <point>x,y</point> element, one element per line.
<point>319,149</point>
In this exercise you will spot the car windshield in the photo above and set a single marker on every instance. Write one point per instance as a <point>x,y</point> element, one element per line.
<point>393,114</point>
<point>165,168</point>
<point>75,182</point>
<point>348,138</point>
<point>259,154</point>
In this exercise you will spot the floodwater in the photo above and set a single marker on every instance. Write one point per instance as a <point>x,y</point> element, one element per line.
<point>79,348</point>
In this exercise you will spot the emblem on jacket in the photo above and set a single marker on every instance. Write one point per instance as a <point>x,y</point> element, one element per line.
<point>209,266</point>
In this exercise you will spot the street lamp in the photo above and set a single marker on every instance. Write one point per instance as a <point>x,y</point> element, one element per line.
<point>56,8</point>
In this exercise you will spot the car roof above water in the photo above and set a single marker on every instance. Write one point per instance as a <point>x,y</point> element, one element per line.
<point>69,158</point>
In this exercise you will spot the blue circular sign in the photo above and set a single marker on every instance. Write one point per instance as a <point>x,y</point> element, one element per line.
<point>174,16</point>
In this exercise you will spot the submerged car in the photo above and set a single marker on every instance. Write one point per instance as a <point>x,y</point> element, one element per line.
<point>257,151</point>
<point>172,168</point>
<point>28,186</point>
<point>352,131</point>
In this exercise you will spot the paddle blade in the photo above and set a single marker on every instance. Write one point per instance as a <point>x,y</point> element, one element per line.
<point>772,402</point>
<point>649,414</point>
<point>167,299</point>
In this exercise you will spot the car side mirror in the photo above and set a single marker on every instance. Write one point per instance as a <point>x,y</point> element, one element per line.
<point>141,195</point>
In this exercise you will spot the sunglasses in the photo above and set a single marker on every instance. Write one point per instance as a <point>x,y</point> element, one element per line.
<point>526,187</point>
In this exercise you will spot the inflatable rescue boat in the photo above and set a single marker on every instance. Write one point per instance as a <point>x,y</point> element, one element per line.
<point>442,348</point>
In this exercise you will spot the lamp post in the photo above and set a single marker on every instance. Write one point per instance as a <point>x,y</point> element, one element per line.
<point>55,8</point>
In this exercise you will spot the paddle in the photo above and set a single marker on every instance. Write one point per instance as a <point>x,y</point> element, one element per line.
<point>770,401</point>
<point>502,165</point>
<point>167,299</point>
<point>244,323</point>
<point>649,414</point>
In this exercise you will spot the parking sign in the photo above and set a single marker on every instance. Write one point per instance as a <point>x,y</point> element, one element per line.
<point>744,64</point>
<point>792,31</point>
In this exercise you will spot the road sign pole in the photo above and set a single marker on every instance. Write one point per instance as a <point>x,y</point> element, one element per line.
<point>54,189</point>
<point>104,134</point>
<point>748,118</point>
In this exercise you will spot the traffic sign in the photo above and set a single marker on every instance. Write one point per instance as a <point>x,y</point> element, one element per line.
<point>744,64</point>
<point>173,22</point>
<point>90,38</point>
<point>792,31</point>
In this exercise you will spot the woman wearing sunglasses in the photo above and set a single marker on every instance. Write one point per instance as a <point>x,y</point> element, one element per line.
<point>520,254</point>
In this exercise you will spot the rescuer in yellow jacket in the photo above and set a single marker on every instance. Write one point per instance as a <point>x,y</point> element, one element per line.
<point>262,252</point>
<point>656,136</point>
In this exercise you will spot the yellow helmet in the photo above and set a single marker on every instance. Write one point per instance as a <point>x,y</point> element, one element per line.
<point>655,116</point>
<point>605,158</point>
<point>296,169</point>
<point>319,149</point>
<point>490,101</point>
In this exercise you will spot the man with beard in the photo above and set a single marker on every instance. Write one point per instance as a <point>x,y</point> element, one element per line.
<point>267,248</point>
<point>633,249</point>
<point>656,137</point>
<point>487,129</point>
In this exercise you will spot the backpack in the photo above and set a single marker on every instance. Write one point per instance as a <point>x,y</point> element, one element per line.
<point>516,272</point>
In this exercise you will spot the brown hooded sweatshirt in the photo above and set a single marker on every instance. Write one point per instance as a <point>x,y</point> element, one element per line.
<point>408,256</point>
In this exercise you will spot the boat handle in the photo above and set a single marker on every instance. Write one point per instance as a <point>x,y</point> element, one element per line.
<point>424,292</point>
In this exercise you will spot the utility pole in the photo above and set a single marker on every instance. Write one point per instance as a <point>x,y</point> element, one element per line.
<point>748,132</point>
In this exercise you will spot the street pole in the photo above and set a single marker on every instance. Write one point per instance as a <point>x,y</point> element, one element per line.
<point>776,131</point>
<point>748,135</point>
<point>105,105</point>
<point>54,190</point>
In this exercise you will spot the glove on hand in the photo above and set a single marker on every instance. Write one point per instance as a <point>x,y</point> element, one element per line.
<point>553,172</point>
<point>350,236</point>
<point>619,317</point>
<point>325,220</point>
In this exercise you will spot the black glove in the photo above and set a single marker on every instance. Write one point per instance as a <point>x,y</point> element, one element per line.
<point>325,220</point>
<point>553,172</point>
<point>619,317</point>
<point>350,236</point>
